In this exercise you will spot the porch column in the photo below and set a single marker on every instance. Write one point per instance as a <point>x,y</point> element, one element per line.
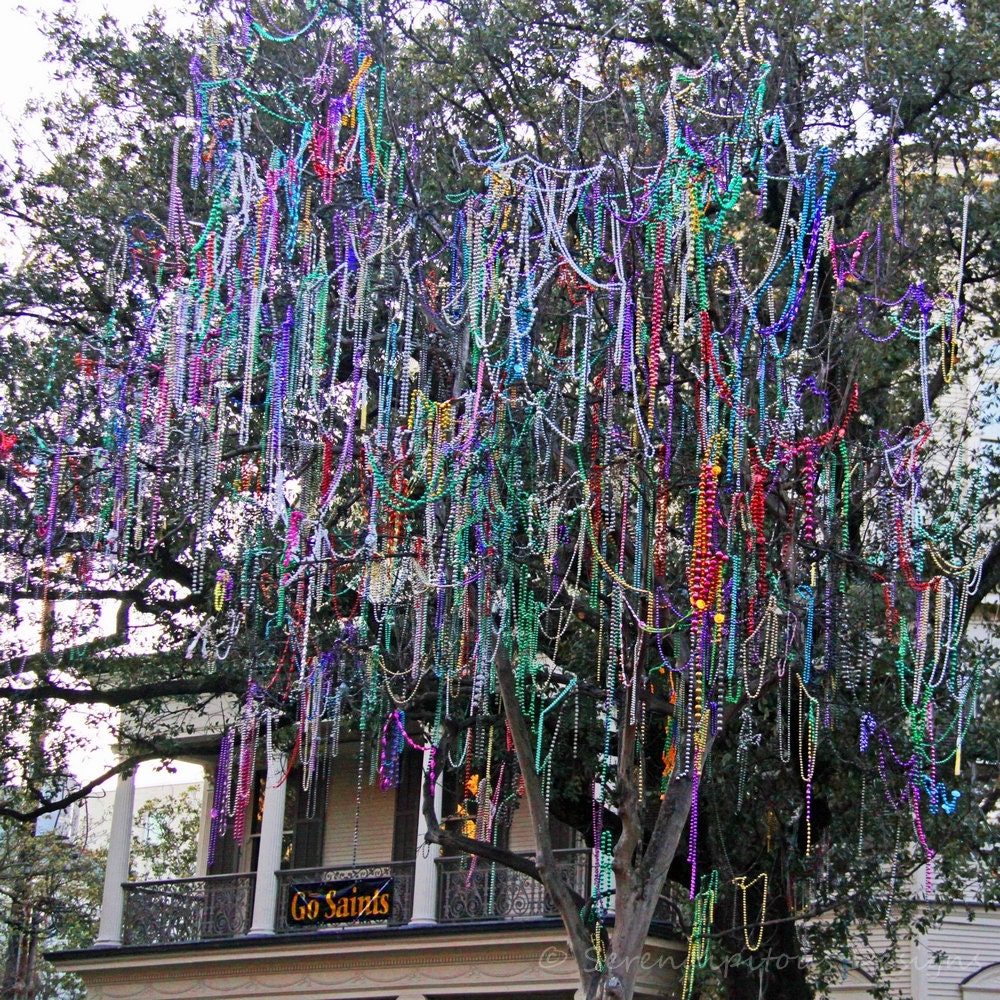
<point>109,934</point>
<point>425,878</point>
<point>205,820</point>
<point>272,826</point>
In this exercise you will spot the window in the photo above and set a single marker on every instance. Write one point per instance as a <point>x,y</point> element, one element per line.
<point>302,834</point>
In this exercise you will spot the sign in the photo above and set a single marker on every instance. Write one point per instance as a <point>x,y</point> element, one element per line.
<point>346,901</point>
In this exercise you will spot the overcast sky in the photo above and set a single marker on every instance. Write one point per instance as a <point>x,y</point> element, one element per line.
<point>22,72</point>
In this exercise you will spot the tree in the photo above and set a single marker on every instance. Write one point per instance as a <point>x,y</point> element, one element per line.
<point>50,886</point>
<point>106,153</point>
<point>165,836</point>
<point>551,413</point>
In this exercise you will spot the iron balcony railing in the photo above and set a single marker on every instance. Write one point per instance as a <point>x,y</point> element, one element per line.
<point>187,909</point>
<point>473,889</point>
<point>671,907</point>
<point>364,895</point>
<point>367,895</point>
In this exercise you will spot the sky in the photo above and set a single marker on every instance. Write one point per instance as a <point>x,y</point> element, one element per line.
<point>23,74</point>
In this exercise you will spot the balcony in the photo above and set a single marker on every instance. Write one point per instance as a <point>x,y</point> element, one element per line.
<point>218,907</point>
<point>471,889</point>
<point>183,910</point>
<point>385,928</point>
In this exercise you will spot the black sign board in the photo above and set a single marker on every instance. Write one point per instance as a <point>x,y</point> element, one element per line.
<point>346,901</point>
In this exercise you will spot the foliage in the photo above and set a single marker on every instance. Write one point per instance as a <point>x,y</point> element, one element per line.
<point>165,836</point>
<point>50,886</point>
<point>398,427</point>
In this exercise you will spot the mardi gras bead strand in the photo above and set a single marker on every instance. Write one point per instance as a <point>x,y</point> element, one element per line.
<point>700,940</point>
<point>745,886</point>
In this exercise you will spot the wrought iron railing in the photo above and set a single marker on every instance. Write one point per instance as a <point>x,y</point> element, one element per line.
<point>187,909</point>
<point>299,888</point>
<point>474,889</point>
<point>671,906</point>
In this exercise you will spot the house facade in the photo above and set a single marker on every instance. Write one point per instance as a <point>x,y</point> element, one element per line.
<point>957,959</point>
<point>331,893</point>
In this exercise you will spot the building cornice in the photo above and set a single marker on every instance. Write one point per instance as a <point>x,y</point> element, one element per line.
<point>475,960</point>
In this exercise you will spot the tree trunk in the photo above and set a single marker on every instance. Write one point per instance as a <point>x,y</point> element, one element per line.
<point>22,948</point>
<point>777,973</point>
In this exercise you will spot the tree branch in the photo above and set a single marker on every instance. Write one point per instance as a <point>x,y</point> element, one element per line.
<point>211,684</point>
<point>55,805</point>
<point>566,901</point>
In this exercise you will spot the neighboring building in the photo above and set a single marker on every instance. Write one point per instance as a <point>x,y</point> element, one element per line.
<point>958,959</point>
<point>335,896</point>
<point>91,819</point>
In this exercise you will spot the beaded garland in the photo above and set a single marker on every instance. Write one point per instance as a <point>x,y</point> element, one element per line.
<point>402,451</point>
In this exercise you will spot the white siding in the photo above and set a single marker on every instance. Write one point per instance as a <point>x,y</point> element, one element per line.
<point>961,948</point>
<point>966,947</point>
<point>374,819</point>
<point>878,944</point>
<point>522,836</point>
<point>865,954</point>
<point>853,986</point>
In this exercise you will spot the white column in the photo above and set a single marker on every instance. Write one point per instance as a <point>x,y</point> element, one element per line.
<point>272,826</point>
<point>425,879</point>
<point>205,821</point>
<point>109,934</point>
